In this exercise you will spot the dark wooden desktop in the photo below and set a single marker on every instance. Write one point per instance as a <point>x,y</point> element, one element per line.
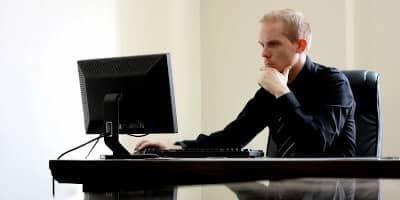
<point>151,173</point>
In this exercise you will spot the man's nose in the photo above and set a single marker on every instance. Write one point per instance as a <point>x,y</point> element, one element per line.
<point>266,53</point>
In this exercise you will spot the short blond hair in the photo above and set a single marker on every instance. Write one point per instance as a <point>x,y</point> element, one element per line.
<point>295,26</point>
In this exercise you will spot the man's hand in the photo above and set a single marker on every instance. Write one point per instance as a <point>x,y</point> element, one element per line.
<point>273,81</point>
<point>153,144</point>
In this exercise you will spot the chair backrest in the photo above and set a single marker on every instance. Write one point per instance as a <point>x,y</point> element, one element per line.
<point>365,87</point>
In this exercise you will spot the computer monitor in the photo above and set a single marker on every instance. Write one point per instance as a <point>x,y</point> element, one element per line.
<point>127,95</point>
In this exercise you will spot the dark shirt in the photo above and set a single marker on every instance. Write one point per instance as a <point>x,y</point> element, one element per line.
<point>315,119</point>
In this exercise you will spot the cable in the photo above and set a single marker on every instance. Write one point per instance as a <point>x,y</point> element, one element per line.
<point>94,145</point>
<point>75,148</point>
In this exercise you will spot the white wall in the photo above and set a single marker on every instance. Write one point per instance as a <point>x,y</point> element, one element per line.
<point>376,43</point>
<point>40,106</point>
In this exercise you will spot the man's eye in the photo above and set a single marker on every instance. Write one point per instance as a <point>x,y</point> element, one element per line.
<point>273,44</point>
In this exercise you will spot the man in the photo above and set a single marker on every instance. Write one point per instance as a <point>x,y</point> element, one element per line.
<point>309,108</point>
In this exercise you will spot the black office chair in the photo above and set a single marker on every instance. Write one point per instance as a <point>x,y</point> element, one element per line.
<point>365,87</point>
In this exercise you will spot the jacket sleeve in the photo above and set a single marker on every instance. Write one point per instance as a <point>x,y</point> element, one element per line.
<point>251,120</point>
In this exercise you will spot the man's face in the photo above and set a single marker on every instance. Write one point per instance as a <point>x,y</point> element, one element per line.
<point>277,50</point>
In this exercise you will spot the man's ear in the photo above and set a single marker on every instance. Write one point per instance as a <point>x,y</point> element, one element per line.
<point>301,45</point>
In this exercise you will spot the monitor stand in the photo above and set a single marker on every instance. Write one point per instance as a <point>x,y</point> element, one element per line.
<point>111,122</point>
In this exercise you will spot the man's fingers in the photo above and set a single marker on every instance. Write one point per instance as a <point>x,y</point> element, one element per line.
<point>141,145</point>
<point>152,144</point>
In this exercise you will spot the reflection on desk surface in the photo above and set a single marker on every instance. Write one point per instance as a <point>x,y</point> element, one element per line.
<point>308,189</point>
<point>305,189</point>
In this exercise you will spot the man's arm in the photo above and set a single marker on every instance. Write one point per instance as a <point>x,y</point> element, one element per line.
<point>251,120</point>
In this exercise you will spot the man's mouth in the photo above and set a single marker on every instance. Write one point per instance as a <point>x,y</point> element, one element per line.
<point>269,64</point>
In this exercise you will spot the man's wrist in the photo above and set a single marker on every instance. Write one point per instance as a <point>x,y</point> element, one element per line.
<point>176,147</point>
<point>282,92</point>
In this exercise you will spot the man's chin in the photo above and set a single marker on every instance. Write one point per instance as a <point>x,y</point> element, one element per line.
<point>271,65</point>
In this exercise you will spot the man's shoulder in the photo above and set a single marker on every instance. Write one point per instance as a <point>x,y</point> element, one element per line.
<point>333,84</point>
<point>328,73</point>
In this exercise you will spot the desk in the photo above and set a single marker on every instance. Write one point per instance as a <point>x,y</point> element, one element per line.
<point>122,175</point>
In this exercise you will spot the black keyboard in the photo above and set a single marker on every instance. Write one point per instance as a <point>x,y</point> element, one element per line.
<point>203,153</point>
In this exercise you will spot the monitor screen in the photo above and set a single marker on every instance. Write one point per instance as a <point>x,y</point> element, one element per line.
<point>143,89</point>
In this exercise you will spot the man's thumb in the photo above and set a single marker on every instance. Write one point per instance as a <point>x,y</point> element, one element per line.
<point>286,71</point>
